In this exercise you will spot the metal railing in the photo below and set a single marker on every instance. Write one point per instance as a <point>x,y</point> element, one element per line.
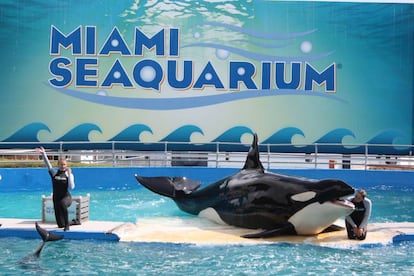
<point>232,155</point>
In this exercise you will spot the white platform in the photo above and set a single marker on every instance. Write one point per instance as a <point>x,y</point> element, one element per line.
<point>25,228</point>
<point>201,231</point>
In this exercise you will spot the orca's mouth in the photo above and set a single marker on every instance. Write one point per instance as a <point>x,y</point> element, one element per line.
<point>343,202</point>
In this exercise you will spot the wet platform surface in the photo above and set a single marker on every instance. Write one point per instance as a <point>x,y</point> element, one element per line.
<point>201,231</point>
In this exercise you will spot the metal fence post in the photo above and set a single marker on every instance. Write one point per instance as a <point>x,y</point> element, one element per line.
<point>113,154</point>
<point>268,156</point>
<point>217,153</point>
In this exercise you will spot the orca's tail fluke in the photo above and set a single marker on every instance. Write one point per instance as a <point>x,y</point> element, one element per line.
<point>167,186</point>
<point>46,235</point>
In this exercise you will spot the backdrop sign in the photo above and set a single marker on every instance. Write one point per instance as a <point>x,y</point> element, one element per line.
<point>206,71</point>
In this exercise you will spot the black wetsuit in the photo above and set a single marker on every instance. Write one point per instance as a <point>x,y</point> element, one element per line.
<point>62,199</point>
<point>357,216</point>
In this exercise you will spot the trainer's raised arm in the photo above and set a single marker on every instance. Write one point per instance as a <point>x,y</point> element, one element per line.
<point>42,151</point>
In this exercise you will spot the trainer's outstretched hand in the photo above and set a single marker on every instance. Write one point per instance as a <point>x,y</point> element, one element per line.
<point>41,149</point>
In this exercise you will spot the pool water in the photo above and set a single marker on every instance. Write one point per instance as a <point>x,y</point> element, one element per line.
<point>71,257</point>
<point>102,258</point>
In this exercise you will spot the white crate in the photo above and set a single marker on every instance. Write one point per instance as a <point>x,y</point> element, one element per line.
<point>78,211</point>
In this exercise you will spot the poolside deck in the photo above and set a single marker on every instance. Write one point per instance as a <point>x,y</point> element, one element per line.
<point>25,228</point>
<point>201,231</point>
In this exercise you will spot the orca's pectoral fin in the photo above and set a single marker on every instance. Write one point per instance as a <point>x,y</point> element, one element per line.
<point>333,228</point>
<point>286,229</point>
<point>46,235</point>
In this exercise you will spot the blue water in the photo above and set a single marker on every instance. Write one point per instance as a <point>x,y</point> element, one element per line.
<point>71,257</point>
<point>102,258</point>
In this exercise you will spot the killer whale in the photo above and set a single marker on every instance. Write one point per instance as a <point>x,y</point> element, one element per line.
<point>257,199</point>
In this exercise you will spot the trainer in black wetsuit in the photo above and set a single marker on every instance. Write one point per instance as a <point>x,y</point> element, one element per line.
<point>356,223</point>
<point>62,181</point>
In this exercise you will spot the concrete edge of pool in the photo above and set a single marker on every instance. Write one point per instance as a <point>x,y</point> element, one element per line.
<point>172,230</point>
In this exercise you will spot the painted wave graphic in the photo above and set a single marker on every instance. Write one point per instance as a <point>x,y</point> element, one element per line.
<point>188,102</point>
<point>132,133</point>
<point>80,133</point>
<point>28,133</point>
<point>181,139</point>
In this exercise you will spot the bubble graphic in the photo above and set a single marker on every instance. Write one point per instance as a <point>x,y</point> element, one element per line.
<point>197,35</point>
<point>222,54</point>
<point>306,46</point>
<point>101,93</point>
<point>147,73</point>
<point>114,42</point>
<point>208,76</point>
<point>241,71</point>
<point>117,74</point>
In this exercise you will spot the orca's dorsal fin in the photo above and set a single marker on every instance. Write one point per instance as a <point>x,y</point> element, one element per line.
<point>253,158</point>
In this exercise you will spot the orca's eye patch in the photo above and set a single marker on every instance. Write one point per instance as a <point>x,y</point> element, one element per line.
<point>302,197</point>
